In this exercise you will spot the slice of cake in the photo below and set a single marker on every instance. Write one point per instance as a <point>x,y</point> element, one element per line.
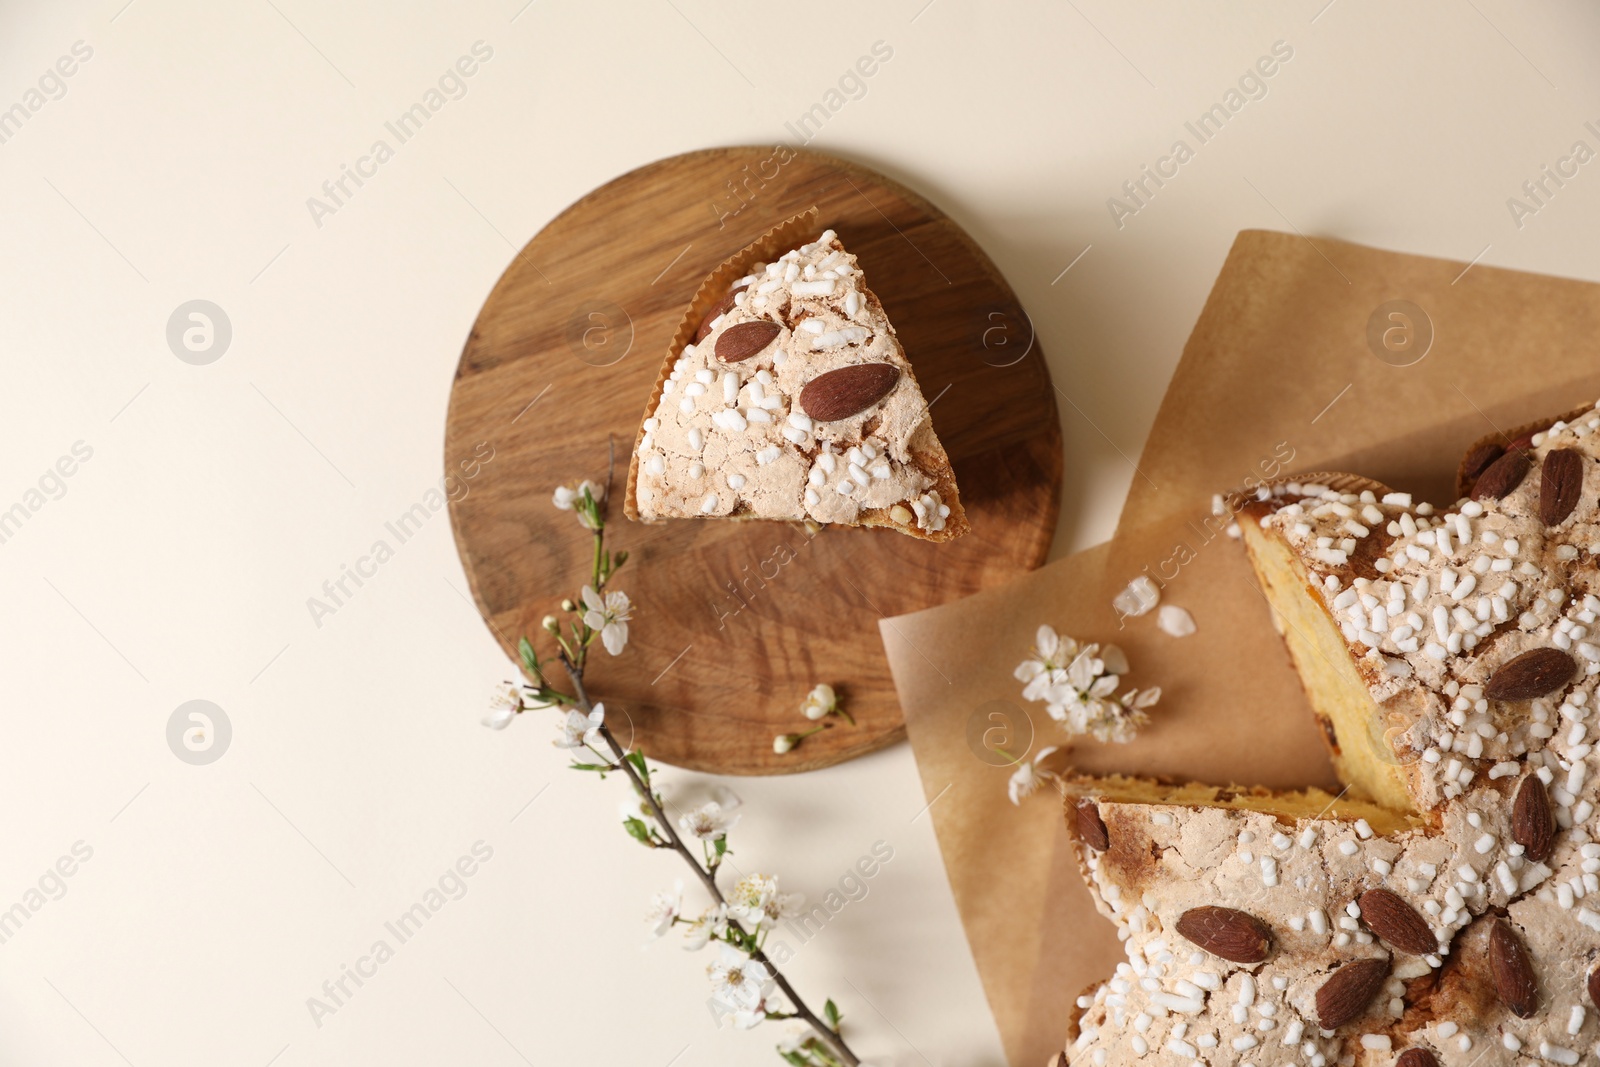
<point>1449,655</point>
<point>794,401</point>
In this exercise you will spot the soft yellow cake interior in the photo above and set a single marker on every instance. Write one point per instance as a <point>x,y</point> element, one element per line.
<point>1352,721</point>
<point>1288,806</point>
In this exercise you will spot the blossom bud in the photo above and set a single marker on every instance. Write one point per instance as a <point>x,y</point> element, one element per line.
<point>550,623</point>
<point>783,743</point>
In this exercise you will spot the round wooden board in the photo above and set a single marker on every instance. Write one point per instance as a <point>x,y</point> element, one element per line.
<point>735,621</point>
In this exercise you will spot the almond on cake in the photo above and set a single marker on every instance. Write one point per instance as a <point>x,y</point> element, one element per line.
<point>795,401</point>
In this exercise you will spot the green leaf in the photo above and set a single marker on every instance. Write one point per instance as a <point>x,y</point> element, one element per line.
<point>619,559</point>
<point>722,846</point>
<point>638,830</point>
<point>831,1010</point>
<point>796,1059</point>
<point>637,759</point>
<point>601,767</point>
<point>530,658</point>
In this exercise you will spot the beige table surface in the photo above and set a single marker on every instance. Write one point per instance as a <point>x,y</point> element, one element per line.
<point>175,563</point>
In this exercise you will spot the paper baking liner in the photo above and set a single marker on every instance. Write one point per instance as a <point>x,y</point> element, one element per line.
<point>790,233</point>
<point>1516,433</point>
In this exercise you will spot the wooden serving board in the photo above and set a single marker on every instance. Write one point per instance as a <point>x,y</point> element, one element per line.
<point>735,621</point>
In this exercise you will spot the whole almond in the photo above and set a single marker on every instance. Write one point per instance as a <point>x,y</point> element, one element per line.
<point>1236,936</point>
<point>1513,972</point>
<point>1502,476</point>
<point>1397,922</point>
<point>1560,485</point>
<point>1478,460</point>
<point>1533,825</point>
<point>1416,1057</point>
<point>1091,828</point>
<point>744,339</point>
<point>1348,991</point>
<point>718,309</point>
<point>1594,987</point>
<point>838,394</point>
<point>1535,673</point>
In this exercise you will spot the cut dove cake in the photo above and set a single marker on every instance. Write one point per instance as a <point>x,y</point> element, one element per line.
<point>795,401</point>
<point>1445,908</point>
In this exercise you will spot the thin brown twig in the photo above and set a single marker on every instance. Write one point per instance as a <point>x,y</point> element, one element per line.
<point>835,1052</point>
<point>707,878</point>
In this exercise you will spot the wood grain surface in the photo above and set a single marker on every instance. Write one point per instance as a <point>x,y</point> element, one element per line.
<point>735,621</point>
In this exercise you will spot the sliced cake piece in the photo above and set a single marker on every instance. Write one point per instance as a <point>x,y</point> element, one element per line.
<point>1432,636</point>
<point>1339,686</point>
<point>794,400</point>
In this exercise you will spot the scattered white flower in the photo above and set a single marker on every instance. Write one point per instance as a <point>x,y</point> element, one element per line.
<point>1046,668</point>
<point>663,910</point>
<point>1139,597</point>
<point>1027,777</point>
<point>609,615</point>
<point>1141,698</point>
<point>819,702</point>
<point>1175,621</point>
<point>783,743</point>
<point>709,821</point>
<point>1078,685</point>
<point>578,729</point>
<point>712,922</point>
<point>1115,659</point>
<point>737,980</point>
<point>755,901</point>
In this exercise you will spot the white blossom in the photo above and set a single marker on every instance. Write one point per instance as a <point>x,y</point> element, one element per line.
<point>1046,668</point>
<point>756,901</point>
<point>738,981</point>
<point>709,821</point>
<point>819,702</point>
<point>783,743</point>
<point>1027,777</point>
<point>567,497</point>
<point>578,729</point>
<point>712,922</point>
<point>663,910</point>
<point>505,705</point>
<point>508,701</point>
<point>608,614</point>
<point>795,1037</point>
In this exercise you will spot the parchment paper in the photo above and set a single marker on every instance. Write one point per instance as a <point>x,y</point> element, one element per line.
<point>1277,377</point>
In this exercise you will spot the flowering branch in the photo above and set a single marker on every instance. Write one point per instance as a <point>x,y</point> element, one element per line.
<point>743,976</point>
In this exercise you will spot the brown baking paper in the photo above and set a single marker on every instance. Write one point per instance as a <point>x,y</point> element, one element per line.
<point>1278,377</point>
